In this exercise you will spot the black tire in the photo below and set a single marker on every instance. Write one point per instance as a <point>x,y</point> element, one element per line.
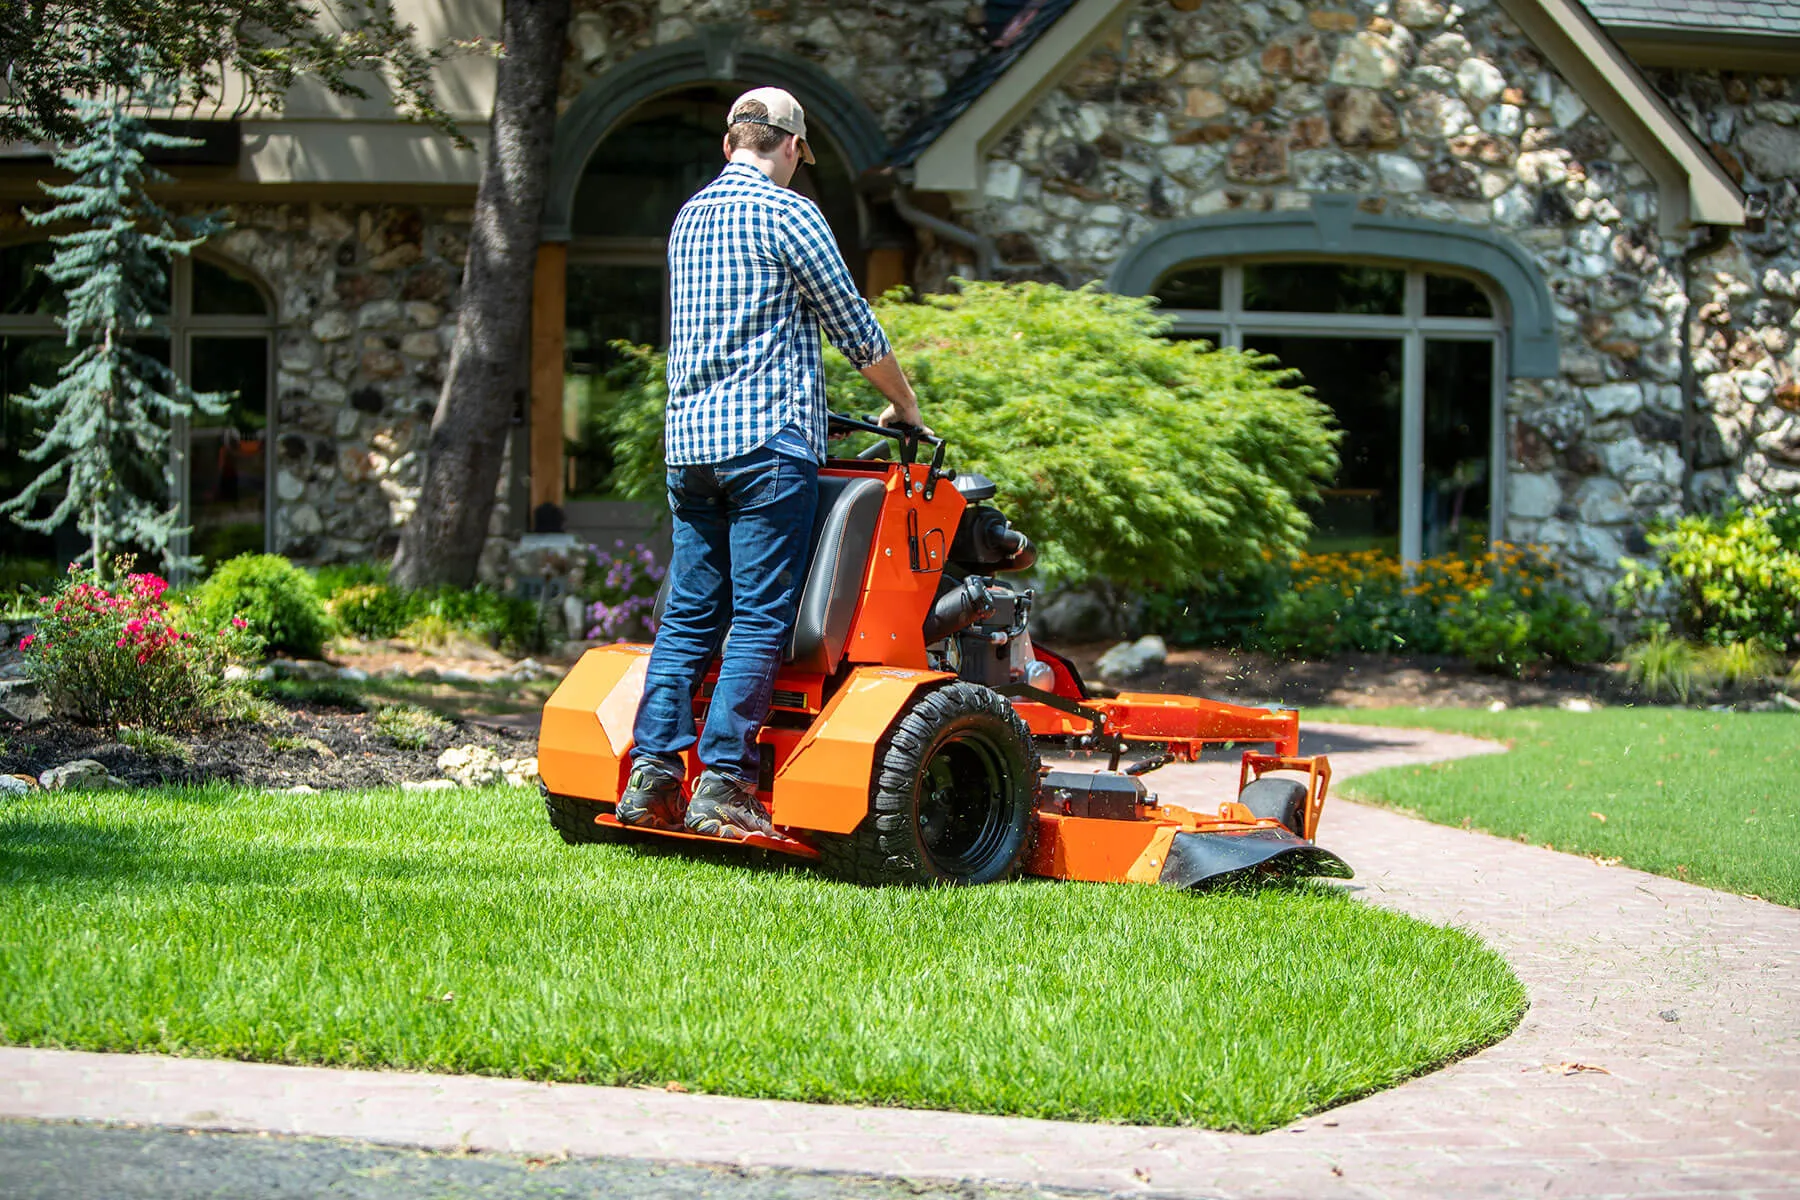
<point>1275,796</point>
<point>573,820</point>
<point>954,798</point>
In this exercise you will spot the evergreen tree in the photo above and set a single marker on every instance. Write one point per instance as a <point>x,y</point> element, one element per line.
<point>113,405</point>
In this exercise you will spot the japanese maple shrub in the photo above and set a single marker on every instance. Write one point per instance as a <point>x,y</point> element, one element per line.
<point>116,653</point>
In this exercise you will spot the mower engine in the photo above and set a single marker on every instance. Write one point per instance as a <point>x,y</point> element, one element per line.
<point>978,626</point>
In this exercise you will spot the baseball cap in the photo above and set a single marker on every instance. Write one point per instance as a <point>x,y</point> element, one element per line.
<point>785,113</point>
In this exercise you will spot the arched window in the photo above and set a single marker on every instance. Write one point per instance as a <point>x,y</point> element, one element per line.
<point>1408,357</point>
<point>220,323</point>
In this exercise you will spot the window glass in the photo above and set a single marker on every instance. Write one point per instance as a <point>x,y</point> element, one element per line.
<point>1459,397</point>
<point>1360,380</point>
<point>1454,296</point>
<point>228,452</point>
<point>1192,287</point>
<point>1324,288</point>
<point>24,288</point>
<point>604,303</point>
<point>24,362</point>
<point>220,291</point>
<point>642,174</point>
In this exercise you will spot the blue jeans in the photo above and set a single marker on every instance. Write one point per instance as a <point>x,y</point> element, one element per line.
<point>742,534</point>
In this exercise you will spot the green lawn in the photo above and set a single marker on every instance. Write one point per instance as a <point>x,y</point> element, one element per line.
<point>1711,798</point>
<point>454,932</point>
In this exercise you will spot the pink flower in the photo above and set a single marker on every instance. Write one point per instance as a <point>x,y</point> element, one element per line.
<point>239,623</point>
<point>25,642</point>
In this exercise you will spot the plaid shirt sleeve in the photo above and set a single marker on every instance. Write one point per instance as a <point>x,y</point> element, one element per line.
<point>828,290</point>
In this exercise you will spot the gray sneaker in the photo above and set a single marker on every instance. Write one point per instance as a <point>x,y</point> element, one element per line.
<point>652,798</point>
<point>726,807</point>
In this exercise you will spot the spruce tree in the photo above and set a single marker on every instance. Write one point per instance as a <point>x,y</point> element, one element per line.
<point>113,405</point>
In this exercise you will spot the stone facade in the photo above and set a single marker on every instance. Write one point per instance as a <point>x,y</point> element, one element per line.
<point>1419,108</point>
<point>1422,108</point>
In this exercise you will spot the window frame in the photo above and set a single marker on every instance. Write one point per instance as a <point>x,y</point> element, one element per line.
<point>1412,327</point>
<point>182,325</point>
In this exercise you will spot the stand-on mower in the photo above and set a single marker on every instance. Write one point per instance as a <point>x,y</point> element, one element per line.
<point>903,743</point>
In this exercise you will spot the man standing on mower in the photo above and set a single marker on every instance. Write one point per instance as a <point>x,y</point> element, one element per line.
<point>754,274</point>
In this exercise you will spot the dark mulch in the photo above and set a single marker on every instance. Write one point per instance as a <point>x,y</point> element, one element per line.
<point>349,753</point>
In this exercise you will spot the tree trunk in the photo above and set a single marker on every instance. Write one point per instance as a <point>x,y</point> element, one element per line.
<point>442,541</point>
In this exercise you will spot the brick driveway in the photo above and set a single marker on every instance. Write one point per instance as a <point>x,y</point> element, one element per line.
<point>1687,1000</point>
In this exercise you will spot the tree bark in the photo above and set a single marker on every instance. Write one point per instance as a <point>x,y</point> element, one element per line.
<point>442,541</point>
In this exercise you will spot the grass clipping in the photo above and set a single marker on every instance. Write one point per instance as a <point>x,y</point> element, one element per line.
<point>456,933</point>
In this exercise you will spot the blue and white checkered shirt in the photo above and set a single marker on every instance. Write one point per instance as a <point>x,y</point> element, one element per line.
<point>753,275</point>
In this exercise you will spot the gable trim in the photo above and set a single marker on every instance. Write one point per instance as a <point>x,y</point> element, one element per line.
<point>1692,188</point>
<point>954,162</point>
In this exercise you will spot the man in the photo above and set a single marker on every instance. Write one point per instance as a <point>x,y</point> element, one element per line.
<point>754,275</point>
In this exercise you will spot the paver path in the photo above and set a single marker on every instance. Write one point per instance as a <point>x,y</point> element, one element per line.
<point>1688,999</point>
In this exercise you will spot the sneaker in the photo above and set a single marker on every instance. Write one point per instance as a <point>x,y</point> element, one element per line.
<point>727,808</point>
<point>652,798</point>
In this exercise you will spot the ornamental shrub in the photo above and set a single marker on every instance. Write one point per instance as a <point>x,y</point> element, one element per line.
<point>117,654</point>
<point>1503,611</point>
<point>274,596</point>
<point>621,591</point>
<point>1123,454</point>
<point>1724,579</point>
<point>369,610</point>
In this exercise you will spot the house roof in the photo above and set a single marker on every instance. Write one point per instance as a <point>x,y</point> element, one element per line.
<point>1027,21</point>
<point>1770,18</point>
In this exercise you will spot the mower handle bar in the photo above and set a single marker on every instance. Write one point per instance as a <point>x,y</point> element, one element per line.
<point>908,436</point>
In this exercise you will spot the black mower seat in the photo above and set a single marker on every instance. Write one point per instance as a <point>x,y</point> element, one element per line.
<point>843,532</point>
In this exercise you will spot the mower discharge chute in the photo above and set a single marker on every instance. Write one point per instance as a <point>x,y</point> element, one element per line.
<point>903,742</point>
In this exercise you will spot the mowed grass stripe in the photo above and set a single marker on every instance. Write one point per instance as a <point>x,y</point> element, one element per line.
<point>1706,797</point>
<point>454,932</point>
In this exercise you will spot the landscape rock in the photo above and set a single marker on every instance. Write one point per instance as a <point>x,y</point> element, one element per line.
<point>1128,659</point>
<point>81,775</point>
<point>352,675</point>
<point>520,772</point>
<point>302,668</point>
<point>471,765</point>
<point>23,701</point>
<point>1073,616</point>
<point>428,785</point>
<point>12,785</point>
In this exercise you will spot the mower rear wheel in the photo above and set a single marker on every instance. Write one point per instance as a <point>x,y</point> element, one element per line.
<point>1275,796</point>
<point>954,798</point>
<point>573,820</point>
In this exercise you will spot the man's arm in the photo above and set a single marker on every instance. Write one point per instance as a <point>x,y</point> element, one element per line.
<point>843,314</point>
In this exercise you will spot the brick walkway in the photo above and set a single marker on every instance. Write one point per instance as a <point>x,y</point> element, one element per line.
<point>1689,1001</point>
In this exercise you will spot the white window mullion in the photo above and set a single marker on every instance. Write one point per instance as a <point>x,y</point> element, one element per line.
<point>1412,449</point>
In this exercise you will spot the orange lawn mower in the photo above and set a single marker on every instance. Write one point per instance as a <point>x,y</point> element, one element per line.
<point>903,742</point>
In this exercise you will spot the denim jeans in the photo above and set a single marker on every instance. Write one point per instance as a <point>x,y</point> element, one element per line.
<point>742,533</point>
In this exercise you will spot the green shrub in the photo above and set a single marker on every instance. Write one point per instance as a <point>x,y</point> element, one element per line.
<point>154,743</point>
<point>274,596</point>
<point>115,654</point>
<point>369,610</point>
<point>1729,578</point>
<point>1123,454</point>
<point>480,612</point>
<point>1743,664</point>
<point>333,578</point>
<point>410,727</point>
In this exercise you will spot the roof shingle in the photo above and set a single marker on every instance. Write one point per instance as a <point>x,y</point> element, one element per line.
<point>1772,18</point>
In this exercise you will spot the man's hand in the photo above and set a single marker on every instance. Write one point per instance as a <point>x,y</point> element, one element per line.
<point>890,381</point>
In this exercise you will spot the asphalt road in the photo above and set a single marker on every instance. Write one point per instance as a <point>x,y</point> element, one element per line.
<point>42,1161</point>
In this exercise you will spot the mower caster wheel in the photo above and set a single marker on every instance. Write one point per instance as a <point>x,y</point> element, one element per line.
<point>954,798</point>
<point>573,820</point>
<point>1275,796</point>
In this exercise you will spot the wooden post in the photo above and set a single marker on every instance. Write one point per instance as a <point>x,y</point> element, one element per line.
<point>549,292</point>
<point>886,268</point>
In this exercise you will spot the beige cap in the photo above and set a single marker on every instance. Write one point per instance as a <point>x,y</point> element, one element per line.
<point>785,113</point>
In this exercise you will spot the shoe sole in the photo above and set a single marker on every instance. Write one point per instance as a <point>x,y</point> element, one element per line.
<point>720,829</point>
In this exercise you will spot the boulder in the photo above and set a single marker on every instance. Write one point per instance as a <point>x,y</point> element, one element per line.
<point>14,785</point>
<point>23,701</point>
<point>1073,616</point>
<point>1129,659</point>
<point>302,668</point>
<point>81,775</point>
<point>353,675</point>
<point>471,765</point>
<point>427,785</point>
